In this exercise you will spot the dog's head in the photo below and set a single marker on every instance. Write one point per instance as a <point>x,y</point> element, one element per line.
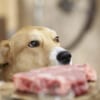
<point>33,47</point>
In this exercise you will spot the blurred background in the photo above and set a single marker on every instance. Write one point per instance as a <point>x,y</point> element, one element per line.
<point>75,21</point>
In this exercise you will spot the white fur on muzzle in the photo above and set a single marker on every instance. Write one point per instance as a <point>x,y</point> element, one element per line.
<point>53,55</point>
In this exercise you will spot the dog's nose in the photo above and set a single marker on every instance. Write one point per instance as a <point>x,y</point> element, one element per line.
<point>64,57</point>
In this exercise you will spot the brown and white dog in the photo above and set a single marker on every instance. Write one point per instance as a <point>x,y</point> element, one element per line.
<point>31,47</point>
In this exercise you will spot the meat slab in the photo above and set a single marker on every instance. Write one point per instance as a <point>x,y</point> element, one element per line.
<point>57,80</point>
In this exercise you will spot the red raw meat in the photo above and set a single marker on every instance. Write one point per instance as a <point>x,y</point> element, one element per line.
<point>56,80</point>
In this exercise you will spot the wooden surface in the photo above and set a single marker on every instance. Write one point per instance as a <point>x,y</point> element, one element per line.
<point>8,92</point>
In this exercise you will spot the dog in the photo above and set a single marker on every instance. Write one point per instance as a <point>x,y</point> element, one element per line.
<point>30,48</point>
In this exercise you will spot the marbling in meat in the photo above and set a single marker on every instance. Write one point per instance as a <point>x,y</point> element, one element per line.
<point>56,80</point>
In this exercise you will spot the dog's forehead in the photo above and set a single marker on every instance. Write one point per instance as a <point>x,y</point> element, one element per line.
<point>30,33</point>
<point>44,32</point>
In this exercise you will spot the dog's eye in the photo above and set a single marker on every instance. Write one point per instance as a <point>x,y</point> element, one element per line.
<point>34,43</point>
<point>56,39</point>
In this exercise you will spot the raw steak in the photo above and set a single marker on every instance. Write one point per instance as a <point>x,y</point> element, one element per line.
<point>56,80</point>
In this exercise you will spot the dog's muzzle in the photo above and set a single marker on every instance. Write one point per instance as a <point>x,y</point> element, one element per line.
<point>60,56</point>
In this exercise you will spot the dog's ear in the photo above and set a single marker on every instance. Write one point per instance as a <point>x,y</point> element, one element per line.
<point>4,51</point>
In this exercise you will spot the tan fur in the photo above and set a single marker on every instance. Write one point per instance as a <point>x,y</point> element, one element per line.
<point>20,57</point>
